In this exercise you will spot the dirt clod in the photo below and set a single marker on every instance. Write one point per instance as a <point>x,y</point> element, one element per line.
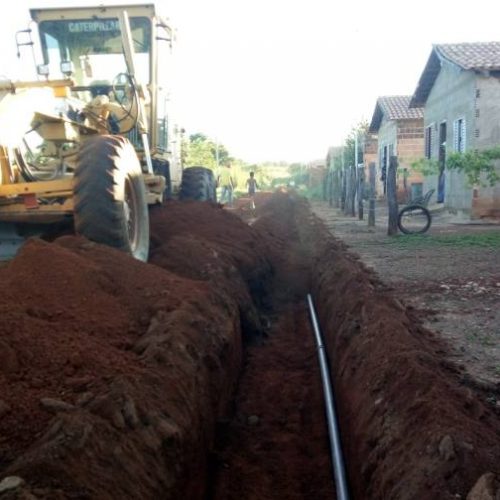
<point>10,483</point>
<point>447,448</point>
<point>253,420</point>
<point>487,487</point>
<point>56,405</point>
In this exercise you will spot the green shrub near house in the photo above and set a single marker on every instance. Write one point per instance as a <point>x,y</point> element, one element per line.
<point>480,167</point>
<point>425,166</point>
<point>477,165</point>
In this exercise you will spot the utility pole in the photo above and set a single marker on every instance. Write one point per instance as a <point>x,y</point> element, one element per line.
<point>360,177</point>
<point>361,191</point>
<point>356,149</point>
<point>331,164</point>
<point>356,163</point>
<point>343,191</point>
<point>354,188</point>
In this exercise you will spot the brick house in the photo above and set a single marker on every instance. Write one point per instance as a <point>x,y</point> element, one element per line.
<point>400,132</point>
<point>460,91</point>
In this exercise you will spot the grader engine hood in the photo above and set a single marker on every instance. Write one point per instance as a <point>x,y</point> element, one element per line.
<point>25,110</point>
<point>17,112</point>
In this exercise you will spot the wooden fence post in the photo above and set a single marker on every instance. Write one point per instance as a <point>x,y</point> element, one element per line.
<point>371,207</point>
<point>347,195</point>
<point>343,188</point>
<point>350,197</point>
<point>354,188</point>
<point>361,191</point>
<point>392,200</point>
<point>336,188</point>
<point>330,187</point>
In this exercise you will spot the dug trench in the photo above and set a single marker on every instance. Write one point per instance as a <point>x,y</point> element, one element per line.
<point>195,376</point>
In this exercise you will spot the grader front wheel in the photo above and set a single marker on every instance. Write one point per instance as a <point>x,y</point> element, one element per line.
<point>110,196</point>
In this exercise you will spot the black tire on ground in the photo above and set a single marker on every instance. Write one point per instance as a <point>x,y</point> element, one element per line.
<point>414,219</point>
<point>198,183</point>
<point>110,196</point>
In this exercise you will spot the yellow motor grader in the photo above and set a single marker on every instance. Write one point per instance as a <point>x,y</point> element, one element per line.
<point>85,142</point>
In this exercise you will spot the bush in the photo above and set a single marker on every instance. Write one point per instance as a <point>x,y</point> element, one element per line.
<point>476,163</point>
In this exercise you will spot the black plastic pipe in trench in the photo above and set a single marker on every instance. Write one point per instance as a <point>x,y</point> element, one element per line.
<point>331,417</point>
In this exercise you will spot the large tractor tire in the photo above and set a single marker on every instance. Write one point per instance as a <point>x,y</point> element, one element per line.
<point>110,196</point>
<point>198,183</point>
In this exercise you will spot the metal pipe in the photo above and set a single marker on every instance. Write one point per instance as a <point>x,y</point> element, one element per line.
<point>333,429</point>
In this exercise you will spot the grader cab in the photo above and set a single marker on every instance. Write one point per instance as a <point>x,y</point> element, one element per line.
<point>85,142</point>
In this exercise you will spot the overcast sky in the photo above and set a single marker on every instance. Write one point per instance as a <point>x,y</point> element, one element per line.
<point>286,79</point>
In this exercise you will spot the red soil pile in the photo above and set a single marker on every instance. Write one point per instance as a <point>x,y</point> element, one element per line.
<point>204,242</point>
<point>113,372</point>
<point>412,429</point>
<point>226,237</point>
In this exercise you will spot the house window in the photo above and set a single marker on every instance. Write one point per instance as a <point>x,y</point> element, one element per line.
<point>459,135</point>
<point>428,141</point>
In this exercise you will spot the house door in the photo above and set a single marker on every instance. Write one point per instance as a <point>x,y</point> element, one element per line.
<point>442,162</point>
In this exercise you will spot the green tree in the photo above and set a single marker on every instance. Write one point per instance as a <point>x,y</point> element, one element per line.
<point>198,149</point>
<point>480,167</point>
<point>361,129</point>
<point>298,174</point>
<point>425,166</point>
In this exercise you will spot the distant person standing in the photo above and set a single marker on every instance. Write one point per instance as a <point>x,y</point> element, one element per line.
<point>252,187</point>
<point>226,181</point>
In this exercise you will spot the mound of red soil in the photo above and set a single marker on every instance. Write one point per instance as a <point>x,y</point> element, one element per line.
<point>176,226</point>
<point>113,372</point>
<point>412,429</point>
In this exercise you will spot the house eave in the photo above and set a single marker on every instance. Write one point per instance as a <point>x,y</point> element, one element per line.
<point>377,117</point>
<point>427,79</point>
